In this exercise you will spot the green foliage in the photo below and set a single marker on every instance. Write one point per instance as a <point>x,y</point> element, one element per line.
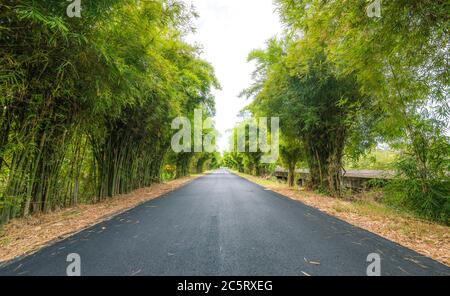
<point>315,106</point>
<point>423,183</point>
<point>86,104</point>
<point>248,162</point>
<point>233,160</point>
<point>343,82</point>
<point>373,160</point>
<point>291,153</point>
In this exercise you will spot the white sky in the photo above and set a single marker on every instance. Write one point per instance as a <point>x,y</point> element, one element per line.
<point>228,30</point>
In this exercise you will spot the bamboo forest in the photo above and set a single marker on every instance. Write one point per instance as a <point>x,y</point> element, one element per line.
<point>159,131</point>
<point>87,106</point>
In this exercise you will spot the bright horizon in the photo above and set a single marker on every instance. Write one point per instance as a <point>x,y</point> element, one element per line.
<point>228,30</point>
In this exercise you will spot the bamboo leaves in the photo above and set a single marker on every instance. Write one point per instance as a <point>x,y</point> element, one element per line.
<point>87,103</point>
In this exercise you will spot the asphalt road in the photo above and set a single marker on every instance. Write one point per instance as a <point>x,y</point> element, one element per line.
<point>222,224</point>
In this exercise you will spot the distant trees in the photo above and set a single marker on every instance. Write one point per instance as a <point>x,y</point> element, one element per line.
<point>245,153</point>
<point>314,105</point>
<point>233,160</point>
<point>86,103</point>
<point>291,153</point>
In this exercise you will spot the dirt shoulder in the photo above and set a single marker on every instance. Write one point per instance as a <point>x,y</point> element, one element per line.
<point>27,235</point>
<point>427,238</point>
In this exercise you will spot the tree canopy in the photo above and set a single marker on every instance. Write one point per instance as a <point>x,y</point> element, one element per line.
<point>343,82</point>
<point>86,103</point>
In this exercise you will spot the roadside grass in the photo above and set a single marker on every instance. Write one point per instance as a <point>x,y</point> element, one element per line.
<point>27,235</point>
<point>363,210</point>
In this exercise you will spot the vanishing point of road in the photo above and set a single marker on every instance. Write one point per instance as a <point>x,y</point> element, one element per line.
<point>221,224</point>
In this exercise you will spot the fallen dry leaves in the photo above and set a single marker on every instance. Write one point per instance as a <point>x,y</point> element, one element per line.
<point>26,235</point>
<point>427,238</point>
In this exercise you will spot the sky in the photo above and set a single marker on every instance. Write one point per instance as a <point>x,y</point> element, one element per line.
<point>228,30</point>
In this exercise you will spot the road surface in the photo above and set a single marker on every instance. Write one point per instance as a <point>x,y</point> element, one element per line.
<point>222,224</point>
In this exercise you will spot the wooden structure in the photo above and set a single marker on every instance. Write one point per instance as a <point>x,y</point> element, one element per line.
<point>352,179</point>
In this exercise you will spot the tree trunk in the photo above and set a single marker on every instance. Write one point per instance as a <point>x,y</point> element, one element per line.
<point>291,175</point>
